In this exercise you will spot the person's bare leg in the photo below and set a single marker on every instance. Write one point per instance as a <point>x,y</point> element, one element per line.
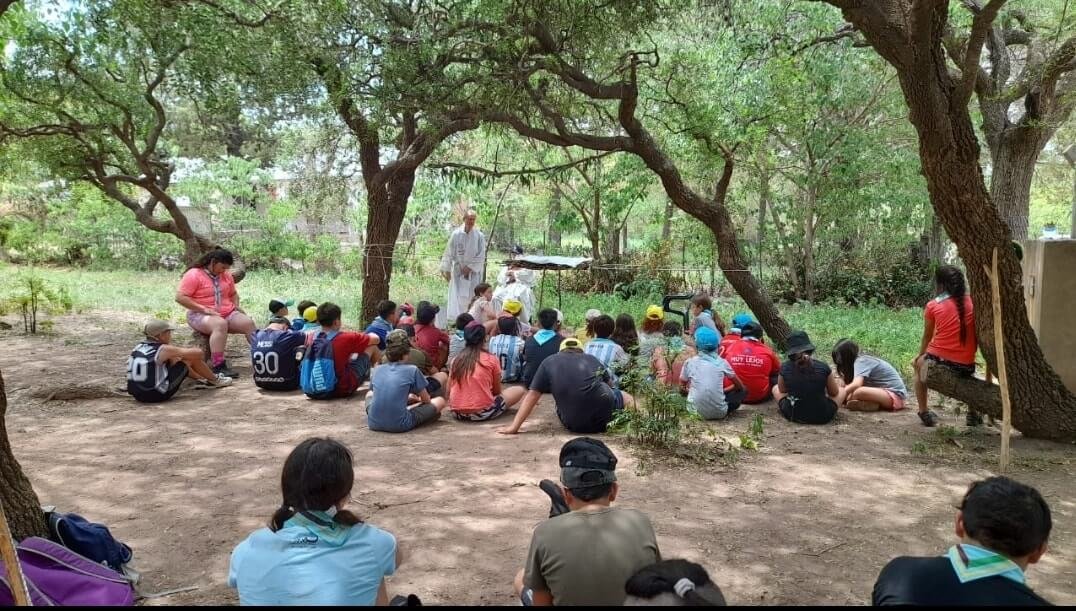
<point>192,358</point>
<point>218,333</point>
<point>866,399</point>
<point>441,377</point>
<point>517,583</point>
<point>439,403</point>
<point>239,322</point>
<point>513,395</point>
<point>777,394</point>
<point>920,385</point>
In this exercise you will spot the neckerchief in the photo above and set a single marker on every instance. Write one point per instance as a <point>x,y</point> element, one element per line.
<point>321,524</point>
<point>216,287</point>
<point>971,562</point>
<point>544,336</point>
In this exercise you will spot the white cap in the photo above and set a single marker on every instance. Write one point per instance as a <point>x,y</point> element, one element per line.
<point>560,315</point>
<point>593,313</point>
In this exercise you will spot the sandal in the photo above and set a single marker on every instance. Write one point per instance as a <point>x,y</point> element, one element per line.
<point>558,505</point>
<point>929,418</point>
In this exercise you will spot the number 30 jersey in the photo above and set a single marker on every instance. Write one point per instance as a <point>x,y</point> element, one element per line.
<point>273,358</point>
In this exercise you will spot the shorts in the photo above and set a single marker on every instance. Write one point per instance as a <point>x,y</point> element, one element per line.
<point>898,401</point>
<point>958,368</point>
<point>433,386</point>
<point>360,366</point>
<point>822,413</point>
<point>618,400</point>
<point>177,373</point>
<point>489,413</point>
<point>196,320</point>
<point>424,413</point>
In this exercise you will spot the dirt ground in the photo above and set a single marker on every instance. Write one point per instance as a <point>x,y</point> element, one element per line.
<point>809,518</point>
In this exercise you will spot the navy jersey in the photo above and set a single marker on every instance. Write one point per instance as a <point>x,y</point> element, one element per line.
<point>273,358</point>
<point>148,379</point>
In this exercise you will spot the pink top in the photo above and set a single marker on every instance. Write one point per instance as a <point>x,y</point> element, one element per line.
<point>198,285</point>
<point>476,392</point>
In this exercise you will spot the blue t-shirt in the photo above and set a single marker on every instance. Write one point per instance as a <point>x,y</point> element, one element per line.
<point>391,383</point>
<point>306,564</point>
<point>381,328</point>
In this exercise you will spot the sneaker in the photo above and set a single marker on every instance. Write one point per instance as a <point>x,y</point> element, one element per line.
<point>973,419</point>
<point>224,370</point>
<point>220,382</point>
<point>557,506</point>
<point>929,418</point>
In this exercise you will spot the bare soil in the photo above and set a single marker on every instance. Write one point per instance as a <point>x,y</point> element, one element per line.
<point>809,518</point>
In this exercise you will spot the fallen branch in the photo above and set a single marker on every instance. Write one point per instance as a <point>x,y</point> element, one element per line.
<point>828,549</point>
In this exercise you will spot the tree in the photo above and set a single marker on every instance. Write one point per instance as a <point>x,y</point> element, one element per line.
<point>561,103</point>
<point>88,89</point>
<point>909,35</point>
<point>1026,90</point>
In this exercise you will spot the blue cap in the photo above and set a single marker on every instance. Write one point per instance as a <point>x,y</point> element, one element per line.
<point>706,339</point>
<point>741,319</point>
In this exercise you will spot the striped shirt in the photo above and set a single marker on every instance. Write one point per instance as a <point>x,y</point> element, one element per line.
<point>609,353</point>
<point>509,351</point>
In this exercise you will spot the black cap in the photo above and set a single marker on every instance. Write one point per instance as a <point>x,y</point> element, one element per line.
<point>426,313</point>
<point>751,329</point>
<point>798,342</point>
<point>474,333</point>
<point>586,462</point>
<point>277,305</point>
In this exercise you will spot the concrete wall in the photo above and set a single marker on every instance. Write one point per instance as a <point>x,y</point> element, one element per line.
<point>1050,291</point>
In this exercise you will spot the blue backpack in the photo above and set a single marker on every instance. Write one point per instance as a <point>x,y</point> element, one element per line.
<point>88,539</point>
<point>317,375</point>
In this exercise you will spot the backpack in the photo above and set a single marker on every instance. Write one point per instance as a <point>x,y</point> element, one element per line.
<point>88,539</point>
<point>317,375</point>
<point>57,576</point>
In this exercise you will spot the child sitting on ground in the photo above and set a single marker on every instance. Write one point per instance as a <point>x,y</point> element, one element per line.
<point>669,356</point>
<point>456,342</point>
<point>308,317</point>
<point>703,316</point>
<point>870,383</point>
<point>703,378</point>
<point>602,347</point>
<point>474,390</point>
<point>399,398</point>
<point>406,315</point>
<point>385,321</point>
<point>430,339</point>
<point>806,387</point>
<point>482,304</point>
<point>512,309</point>
<point>586,332</point>
<point>507,346</point>
<point>625,335</point>
<point>650,335</point>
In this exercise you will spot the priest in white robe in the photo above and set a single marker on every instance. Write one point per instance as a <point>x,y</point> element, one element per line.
<point>462,265</point>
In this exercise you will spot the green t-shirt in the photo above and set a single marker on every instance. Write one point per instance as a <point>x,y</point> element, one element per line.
<point>585,558</point>
<point>416,358</point>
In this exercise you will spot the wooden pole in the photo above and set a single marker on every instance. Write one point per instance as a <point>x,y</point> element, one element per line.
<point>11,564</point>
<point>999,344</point>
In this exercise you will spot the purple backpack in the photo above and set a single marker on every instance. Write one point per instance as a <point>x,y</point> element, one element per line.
<point>57,576</point>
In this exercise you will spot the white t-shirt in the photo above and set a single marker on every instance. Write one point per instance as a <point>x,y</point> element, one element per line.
<point>706,395</point>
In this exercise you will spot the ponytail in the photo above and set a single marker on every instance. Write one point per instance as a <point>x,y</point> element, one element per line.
<point>950,279</point>
<point>686,580</point>
<point>803,360</point>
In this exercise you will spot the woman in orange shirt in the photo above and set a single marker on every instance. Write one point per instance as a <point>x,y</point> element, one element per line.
<point>474,384</point>
<point>948,335</point>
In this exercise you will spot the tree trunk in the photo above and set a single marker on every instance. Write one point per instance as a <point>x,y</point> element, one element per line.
<point>666,221</point>
<point>936,242</point>
<point>612,244</point>
<point>1010,180</point>
<point>386,209</point>
<point>21,505</point>
<point>790,258</point>
<point>949,157</point>
<point>808,245</point>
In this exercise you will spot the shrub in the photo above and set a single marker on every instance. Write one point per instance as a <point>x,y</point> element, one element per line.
<point>29,294</point>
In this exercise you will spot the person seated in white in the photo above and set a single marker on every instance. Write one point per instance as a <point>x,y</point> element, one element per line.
<point>315,552</point>
<point>515,283</point>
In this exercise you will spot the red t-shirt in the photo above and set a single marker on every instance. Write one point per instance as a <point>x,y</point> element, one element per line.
<point>726,341</point>
<point>754,363</point>
<point>198,285</point>
<point>345,344</point>
<point>476,392</point>
<point>429,339</point>
<point>946,341</point>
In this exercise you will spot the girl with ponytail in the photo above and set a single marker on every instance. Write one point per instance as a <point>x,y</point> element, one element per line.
<point>312,540</point>
<point>806,388</point>
<point>948,336</point>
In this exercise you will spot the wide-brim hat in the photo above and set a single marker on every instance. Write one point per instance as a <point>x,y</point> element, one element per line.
<point>798,342</point>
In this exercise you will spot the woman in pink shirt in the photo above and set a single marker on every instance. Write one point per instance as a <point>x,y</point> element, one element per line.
<point>207,290</point>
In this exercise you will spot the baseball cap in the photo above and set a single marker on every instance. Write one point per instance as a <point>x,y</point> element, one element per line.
<point>155,327</point>
<point>593,313</point>
<point>741,319</point>
<point>570,342</point>
<point>705,339</point>
<point>426,313</point>
<point>751,329</point>
<point>474,333</point>
<point>277,305</point>
<point>655,312</point>
<point>310,314</point>
<point>397,337</point>
<point>513,307</point>
<point>586,462</point>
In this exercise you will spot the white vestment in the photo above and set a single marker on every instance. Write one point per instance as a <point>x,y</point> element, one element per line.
<point>520,290</point>
<point>463,249</point>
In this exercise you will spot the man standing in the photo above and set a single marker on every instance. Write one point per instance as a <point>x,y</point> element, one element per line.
<point>462,264</point>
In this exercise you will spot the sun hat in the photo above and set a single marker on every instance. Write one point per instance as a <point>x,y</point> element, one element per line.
<point>586,462</point>
<point>397,337</point>
<point>798,342</point>
<point>706,339</point>
<point>655,312</point>
<point>155,327</point>
<point>513,307</point>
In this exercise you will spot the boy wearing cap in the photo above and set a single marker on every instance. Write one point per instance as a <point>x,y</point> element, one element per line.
<point>399,398</point>
<point>703,379</point>
<point>542,345</point>
<point>299,322</point>
<point>754,362</point>
<point>385,321</point>
<point>428,338</point>
<point>581,389</point>
<point>156,369</point>
<point>512,309</point>
<point>574,557</point>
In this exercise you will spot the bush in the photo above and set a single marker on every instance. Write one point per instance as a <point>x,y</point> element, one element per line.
<point>896,285</point>
<point>29,295</point>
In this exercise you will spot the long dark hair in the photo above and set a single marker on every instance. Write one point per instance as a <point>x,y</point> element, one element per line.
<point>624,332</point>
<point>951,280</point>
<point>217,255</point>
<point>465,362</point>
<point>803,360</point>
<point>844,356</point>
<point>317,474</point>
<point>662,577</point>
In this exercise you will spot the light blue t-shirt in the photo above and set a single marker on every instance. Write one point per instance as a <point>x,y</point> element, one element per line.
<point>609,353</point>
<point>509,351</point>
<point>307,564</point>
<point>391,383</point>
<point>706,395</point>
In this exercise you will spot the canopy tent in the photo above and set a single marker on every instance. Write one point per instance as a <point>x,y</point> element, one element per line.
<point>543,264</point>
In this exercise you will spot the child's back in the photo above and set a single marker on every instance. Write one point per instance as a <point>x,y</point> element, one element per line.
<point>706,373</point>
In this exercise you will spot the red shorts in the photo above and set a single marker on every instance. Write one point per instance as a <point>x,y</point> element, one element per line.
<point>898,401</point>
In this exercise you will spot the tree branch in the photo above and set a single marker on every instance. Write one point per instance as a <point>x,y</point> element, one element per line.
<point>522,171</point>
<point>980,27</point>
